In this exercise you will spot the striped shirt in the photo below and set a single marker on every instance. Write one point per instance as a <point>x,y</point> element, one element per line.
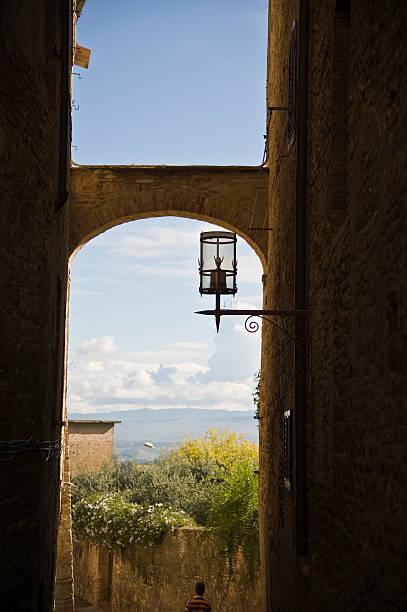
<point>198,604</point>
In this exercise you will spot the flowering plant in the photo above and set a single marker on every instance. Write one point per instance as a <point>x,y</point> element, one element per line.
<point>113,522</point>
<point>218,445</point>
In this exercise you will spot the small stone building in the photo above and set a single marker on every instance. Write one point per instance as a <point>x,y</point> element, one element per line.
<point>90,444</point>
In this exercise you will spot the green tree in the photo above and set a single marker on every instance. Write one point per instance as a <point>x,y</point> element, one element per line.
<point>113,477</point>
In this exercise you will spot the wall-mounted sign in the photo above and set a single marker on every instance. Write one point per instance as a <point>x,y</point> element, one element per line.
<point>81,56</point>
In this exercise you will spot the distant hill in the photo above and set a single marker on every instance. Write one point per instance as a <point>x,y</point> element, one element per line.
<point>166,427</point>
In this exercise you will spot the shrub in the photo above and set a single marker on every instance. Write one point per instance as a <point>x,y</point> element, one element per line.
<point>113,477</point>
<point>174,483</point>
<point>233,515</point>
<point>113,522</point>
<point>218,448</point>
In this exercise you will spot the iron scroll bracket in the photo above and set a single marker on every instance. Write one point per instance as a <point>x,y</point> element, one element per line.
<point>253,326</point>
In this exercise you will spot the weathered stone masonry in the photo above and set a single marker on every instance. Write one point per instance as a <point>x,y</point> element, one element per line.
<point>232,196</point>
<point>64,595</point>
<point>163,575</point>
<point>356,256</point>
<point>35,51</point>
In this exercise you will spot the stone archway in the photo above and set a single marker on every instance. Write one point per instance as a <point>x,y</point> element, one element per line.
<point>234,197</point>
<point>101,197</point>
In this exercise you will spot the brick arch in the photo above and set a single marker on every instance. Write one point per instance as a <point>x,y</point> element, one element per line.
<point>104,196</point>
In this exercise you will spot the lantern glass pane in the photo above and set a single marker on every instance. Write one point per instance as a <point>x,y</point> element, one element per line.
<point>228,254</point>
<point>209,252</point>
<point>206,281</point>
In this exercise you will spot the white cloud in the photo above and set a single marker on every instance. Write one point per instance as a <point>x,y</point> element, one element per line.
<point>191,345</point>
<point>181,375</point>
<point>157,242</point>
<point>94,366</point>
<point>236,352</point>
<point>249,269</point>
<point>99,345</point>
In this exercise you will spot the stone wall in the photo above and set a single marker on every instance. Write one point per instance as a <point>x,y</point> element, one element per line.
<point>163,576</point>
<point>356,282</point>
<point>91,573</point>
<point>276,504</point>
<point>358,293</point>
<point>90,444</point>
<point>35,49</point>
<point>64,595</point>
<point>103,196</point>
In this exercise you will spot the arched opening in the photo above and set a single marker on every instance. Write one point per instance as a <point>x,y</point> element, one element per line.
<point>138,278</point>
<point>140,358</point>
<point>235,197</point>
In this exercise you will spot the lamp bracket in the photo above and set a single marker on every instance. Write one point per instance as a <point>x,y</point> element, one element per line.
<point>253,326</point>
<point>280,108</point>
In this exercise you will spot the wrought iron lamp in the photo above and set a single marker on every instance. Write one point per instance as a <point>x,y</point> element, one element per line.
<point>218,266</point>
<point>218,271</point>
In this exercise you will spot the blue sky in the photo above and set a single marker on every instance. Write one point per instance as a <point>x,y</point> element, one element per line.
<point>174,83</point>
<point>179,82</point>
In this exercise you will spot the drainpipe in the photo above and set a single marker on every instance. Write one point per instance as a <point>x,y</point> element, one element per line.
<point>301,297</point>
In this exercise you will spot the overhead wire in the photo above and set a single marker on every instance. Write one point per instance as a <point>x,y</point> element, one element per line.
<point>9,449</point>
<point>262,165</point>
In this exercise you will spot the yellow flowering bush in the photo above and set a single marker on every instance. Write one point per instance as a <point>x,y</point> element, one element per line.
<point>221,447</point>
<point>228,460</point>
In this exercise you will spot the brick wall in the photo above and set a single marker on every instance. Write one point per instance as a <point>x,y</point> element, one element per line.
<point>356,424</point>
<point>90,445</point>
<point>34,139</point>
